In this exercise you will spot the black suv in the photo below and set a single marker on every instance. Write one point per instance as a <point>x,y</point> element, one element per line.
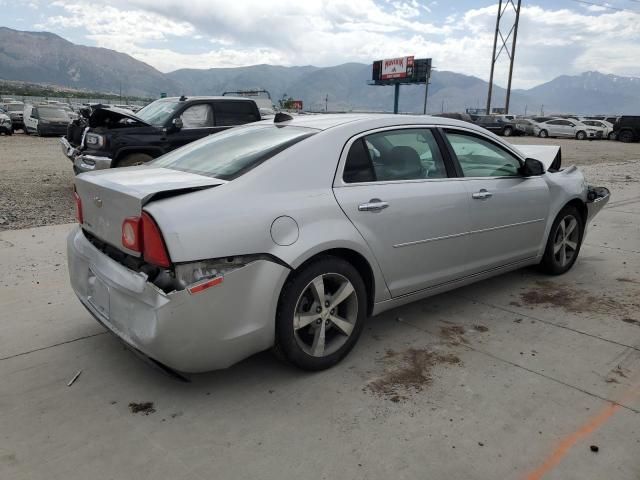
<point>627,128</point>
<point>114,137</point>
<point>499,125</point>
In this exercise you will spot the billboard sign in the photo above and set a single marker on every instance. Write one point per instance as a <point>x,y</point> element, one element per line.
<point>400,67</point>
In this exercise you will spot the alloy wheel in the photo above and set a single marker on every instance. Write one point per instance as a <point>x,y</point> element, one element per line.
<point>325,315</point>
<point>566,239</point>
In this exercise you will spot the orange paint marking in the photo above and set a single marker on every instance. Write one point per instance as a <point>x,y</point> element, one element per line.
<point>569,441</point>
<point>584,431</point>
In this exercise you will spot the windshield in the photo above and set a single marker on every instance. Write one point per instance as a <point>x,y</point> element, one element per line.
<point>158,112</point>
<point>53,113</point>
<point>231,153</point>
<point>15,107</point>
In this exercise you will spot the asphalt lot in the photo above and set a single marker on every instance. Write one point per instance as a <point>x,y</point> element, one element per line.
<point>512,378</point>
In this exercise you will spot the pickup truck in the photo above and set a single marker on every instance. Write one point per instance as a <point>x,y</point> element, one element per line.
<point>115,137</point>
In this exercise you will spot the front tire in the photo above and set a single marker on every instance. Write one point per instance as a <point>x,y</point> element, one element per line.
<point>508,131</point>
<point>581,135</point>
<point>563,244</point>
<point>321,313</point>
<point>543,134</point>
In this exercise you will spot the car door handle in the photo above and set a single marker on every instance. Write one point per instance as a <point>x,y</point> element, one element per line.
<point>481,195</point>
<point>374,205</point>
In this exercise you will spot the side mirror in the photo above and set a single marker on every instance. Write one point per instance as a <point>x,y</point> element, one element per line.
<point>177,124</point>
<point>532,167</point>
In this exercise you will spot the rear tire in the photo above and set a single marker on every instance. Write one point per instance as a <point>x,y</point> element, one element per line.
<point>581,135</point>
<point>507,132</point>
<point>134,159</point>
<point>543,134</point>
<point>563,244</point>
<point>321,313</point>
<point>625,136</point>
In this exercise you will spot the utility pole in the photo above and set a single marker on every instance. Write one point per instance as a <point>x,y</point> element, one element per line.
<point>426,93</point>
<point>326,103</point>
<point>510,52</point>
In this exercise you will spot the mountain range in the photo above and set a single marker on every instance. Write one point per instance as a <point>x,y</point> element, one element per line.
<point>43,57</point>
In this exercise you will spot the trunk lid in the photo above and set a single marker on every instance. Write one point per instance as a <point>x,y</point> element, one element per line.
<point>110,196</point>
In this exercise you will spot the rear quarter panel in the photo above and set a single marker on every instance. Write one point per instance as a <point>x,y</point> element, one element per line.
<point>236,218</point>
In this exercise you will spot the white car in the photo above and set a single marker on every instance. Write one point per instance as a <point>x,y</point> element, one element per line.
<point>561,127</point>
<point>604,126</point>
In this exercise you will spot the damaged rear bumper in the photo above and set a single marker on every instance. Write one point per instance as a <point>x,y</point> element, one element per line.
<point>187,333</point>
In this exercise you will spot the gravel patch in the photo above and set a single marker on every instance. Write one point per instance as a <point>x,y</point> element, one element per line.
<point>36,183</point>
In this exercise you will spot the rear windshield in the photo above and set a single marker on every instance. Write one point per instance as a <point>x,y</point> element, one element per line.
<point>15,107</point>
<point>231,153</point>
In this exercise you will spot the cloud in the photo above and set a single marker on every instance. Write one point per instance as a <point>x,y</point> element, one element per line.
<point>175,34</point>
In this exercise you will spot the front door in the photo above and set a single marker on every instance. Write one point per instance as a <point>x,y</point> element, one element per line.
<point>197,122</point>
<point>508,211</point>
<point>395,188</point>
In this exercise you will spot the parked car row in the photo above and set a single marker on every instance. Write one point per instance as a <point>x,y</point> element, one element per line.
<point>625,128</point>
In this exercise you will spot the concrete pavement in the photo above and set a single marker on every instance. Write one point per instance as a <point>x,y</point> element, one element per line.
<point>512,378</point>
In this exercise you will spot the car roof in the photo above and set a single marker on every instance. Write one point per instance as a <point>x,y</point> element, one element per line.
<point>326,121</point>
<point>208,97</point>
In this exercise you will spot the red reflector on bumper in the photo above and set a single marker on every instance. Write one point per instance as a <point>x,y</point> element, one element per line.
<point>204,285</point>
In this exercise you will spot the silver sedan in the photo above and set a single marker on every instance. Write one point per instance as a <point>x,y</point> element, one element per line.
<point>288,234</point>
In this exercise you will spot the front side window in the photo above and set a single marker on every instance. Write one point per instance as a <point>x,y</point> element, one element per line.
<point>481,158</point>
<point>197,116</point>
<point>231,153</point>
<point>235,113</point>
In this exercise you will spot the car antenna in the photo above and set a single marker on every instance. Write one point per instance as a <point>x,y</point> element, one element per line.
<point>282,117</point>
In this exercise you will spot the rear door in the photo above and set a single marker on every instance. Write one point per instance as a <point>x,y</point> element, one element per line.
<point>400,192</point>
<point>230,113</point>
<point>508,211</point>
<point>554,128</point>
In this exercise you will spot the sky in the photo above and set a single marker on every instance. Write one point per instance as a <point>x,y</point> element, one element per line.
<point>555,37</point>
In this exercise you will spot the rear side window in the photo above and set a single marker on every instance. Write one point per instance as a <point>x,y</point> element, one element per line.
<point>229,154</point>
<point>410,154</point>
<point>358,167</point>
<point>235,113</point>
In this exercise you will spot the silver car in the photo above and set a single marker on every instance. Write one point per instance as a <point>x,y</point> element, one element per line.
<point>561,127</point>
<point>288,234</point>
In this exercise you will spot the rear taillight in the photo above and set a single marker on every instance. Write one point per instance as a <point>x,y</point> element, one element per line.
<point>78,201</point>
<point>141,234</point>
<point>154,250</point>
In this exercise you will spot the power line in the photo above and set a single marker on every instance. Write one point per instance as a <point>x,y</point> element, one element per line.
<point>609,7</point>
